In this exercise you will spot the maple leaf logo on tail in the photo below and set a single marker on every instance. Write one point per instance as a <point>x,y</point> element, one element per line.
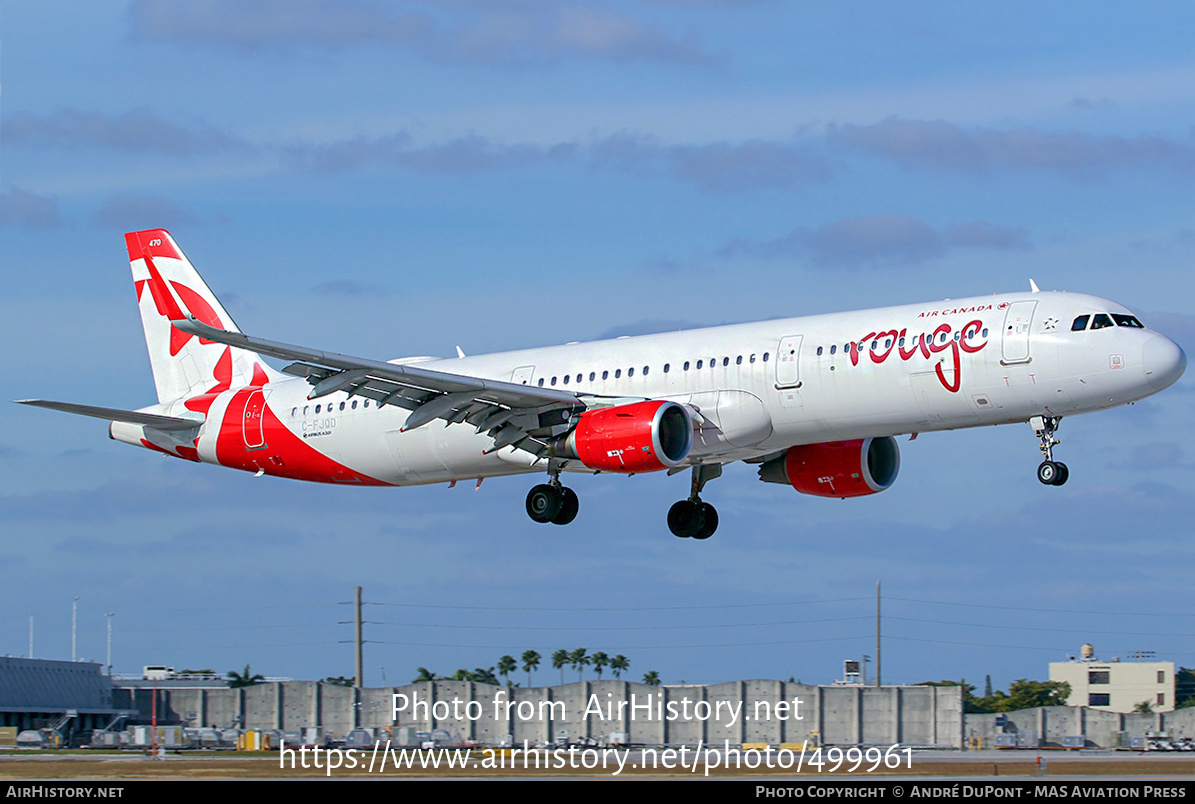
<point>169,288</point>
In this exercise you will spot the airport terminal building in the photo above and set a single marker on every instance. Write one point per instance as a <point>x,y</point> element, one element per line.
<point>64,696</point>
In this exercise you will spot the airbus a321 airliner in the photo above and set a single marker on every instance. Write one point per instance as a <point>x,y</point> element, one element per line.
<point>815,402</point>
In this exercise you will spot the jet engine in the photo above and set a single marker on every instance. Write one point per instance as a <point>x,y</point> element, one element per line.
<point>838,468</point>
<point>639,437</point>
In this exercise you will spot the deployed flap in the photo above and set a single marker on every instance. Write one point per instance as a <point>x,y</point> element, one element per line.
<point>154,420</point>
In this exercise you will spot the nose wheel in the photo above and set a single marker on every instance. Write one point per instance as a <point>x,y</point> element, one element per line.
<point>692,518</point>
<point>1050,472</point>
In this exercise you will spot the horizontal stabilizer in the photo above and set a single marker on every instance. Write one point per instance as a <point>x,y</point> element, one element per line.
<point>154,420</point>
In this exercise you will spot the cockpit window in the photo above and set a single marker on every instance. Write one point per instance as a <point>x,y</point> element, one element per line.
<point>1080,323</point>
<point>1123,320</point>
<point>1101,320</point>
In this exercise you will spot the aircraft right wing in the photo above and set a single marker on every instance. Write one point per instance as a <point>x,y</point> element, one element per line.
<point>521,415</point>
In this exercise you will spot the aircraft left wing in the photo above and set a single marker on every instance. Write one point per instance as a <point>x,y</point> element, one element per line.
<point>521,415</point>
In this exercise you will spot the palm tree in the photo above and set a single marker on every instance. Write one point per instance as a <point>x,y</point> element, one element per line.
<point>559,660</point>
<point>651,679</point>
<point>483,675</point>
<point>618,664</point>
<point>578,660</point>
<point>245,679</point>
<point>478,675</point>
<point>599,660</point>
<point>506,666</point>
<point>530,662</point>
<point>424,675</point>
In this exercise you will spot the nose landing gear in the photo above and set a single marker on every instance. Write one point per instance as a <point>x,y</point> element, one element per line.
<point>693,518</point>
<point>1050,472</point>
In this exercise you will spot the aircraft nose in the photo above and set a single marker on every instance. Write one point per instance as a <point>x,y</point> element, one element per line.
<point>1163,362</point>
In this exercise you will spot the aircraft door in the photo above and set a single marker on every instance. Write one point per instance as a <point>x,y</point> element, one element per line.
<point>522,375</point>
<point>788,362</point>
<point>253,424</point>
<point>1017,320</point>
<point>788,370</point>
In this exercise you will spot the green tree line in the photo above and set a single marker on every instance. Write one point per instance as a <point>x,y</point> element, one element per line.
<point>577,659</point>
<point>1026,694</point>
<point>1022,694</point>
<point>1184,688</point>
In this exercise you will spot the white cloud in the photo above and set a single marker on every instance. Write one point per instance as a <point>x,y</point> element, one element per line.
<point>137,131</point>
<point>939,145</point>
<point>129,212</point>
<point>506,34</point>
<point>21,208</point>
<point>879,240</point>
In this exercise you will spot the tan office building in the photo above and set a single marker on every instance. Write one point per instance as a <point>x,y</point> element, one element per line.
<point>1116,686</point>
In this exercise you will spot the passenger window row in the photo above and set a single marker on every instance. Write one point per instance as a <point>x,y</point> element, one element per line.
<point>887,343</point>
<point>646,370</point>
<point>330,407</point>
<point>567,379</point>
<point>577,379</point>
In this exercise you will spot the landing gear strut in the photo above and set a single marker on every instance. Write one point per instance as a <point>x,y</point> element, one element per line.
<point>552,502</point>
<point>693,518</point>
<point>1050,472</point>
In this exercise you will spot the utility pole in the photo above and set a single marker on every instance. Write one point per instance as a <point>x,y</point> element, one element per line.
<point>30,636</point>
<point>877,633</point>
<point>360,670</point>
<point>74,629</point>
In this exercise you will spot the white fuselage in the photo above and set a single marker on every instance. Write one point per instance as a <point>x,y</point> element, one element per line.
<point>758,388</point>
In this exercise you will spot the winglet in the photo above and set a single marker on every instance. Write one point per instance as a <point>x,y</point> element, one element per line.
<point>1033,286</point>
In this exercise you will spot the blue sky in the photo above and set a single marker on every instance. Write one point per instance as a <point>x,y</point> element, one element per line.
<point>392,179</point>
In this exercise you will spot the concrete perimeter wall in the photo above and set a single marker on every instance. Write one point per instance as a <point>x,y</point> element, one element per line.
<point>739,711</point>
<point>770,712</point>
<point>1051,724</point>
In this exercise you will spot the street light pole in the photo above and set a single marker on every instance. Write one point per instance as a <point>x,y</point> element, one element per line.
<point>109,616</point>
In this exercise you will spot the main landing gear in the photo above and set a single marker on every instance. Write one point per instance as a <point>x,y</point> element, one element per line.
<point>688,519</point>
<point>552,502</point>
<point>1050,472</point>
<point>693,518</point>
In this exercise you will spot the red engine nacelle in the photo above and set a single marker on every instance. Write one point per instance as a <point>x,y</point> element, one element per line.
<point>640,437</point>
<point>838,468</point>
